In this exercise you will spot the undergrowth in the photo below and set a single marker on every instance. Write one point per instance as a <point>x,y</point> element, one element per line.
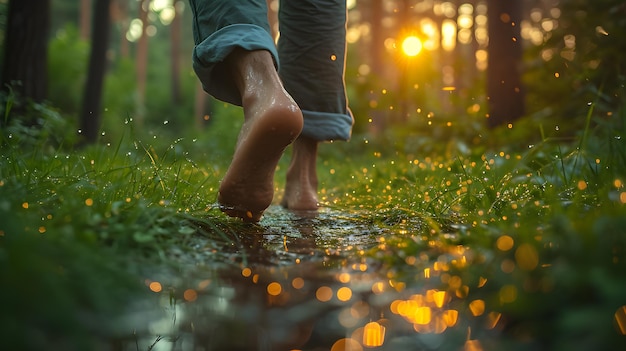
<point>79,225</point>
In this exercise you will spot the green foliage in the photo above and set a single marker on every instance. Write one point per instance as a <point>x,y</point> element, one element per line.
<point>586,64</point>
<point>67,69</point>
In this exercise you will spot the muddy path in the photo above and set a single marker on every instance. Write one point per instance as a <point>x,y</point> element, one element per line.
<point>326,281</point>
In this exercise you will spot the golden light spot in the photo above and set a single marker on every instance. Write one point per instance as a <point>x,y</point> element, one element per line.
<point>274,288</point>
<point>344,294</point>
<point>582,185</point>
<point>255,278</point>
<point>25,205</point>
<point>422,315</point>
<point>346,344</point>
<point>477,307</point>
<point>373,334</point>
<point>204,284</point>
<point>492,319</point>
<point>378,287</point>
<point>508,294</point>
<point>411,46</point>
<point>527,257</point>
<point>155,286</point>
<point>297,283</point>
<point>426,272</point>
<point>332,171</point>
<point>324,293</point>
<point>450,317</point>
<point>248,214</point>
<point>472,345</point>
<point>481,282</point>
<point>622,197</point>
<point>440,298</point>
<point>507,266</point>
<point>620,319</point>
<point>190,295</point>
<point>393,307</point>
<point>455,282</point>
<point>462,292</point>
<point>89,202</point>
<point>333,57</point>
<point>618,183</point>
<point>344,277</point>
<point>42,229</point>
<point>505,243</point>
<point>246,272</point>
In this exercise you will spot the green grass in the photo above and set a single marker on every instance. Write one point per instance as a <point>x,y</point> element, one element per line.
<point>81,229</point>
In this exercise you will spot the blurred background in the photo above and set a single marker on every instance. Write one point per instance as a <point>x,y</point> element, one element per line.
<point>426,67</point>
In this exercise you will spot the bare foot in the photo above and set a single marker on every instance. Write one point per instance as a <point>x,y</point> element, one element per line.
<point>272,122</point>
<point>301,187</point>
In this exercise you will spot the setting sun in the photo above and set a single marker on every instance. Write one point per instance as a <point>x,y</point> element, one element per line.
<point>411,46</point>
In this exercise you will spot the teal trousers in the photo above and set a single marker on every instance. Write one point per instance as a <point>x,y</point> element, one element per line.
<point>309,56</point>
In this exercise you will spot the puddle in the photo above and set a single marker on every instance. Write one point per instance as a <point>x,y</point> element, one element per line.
<point>300,282</point>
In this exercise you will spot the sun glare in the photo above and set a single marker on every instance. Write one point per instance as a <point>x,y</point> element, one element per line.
<point>411,46</point>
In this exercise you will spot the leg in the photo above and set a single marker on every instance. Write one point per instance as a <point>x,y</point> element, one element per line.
<point>312,50</point>
<point>301,187</point>
<point>235,59</point>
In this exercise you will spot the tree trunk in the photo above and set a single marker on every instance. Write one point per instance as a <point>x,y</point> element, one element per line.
<point>85,19</point>
<point>119,15</point>
<point>504,86</point>
<point>25,66</point>
<point>92,100</point>
<point>375,53</point>
<point>175,28</point>
<point>142,60</point>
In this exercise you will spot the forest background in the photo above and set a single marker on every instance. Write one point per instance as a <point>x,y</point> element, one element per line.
<point>544,57</point>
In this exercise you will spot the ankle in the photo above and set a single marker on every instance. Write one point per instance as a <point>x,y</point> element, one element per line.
<point>253,70</point>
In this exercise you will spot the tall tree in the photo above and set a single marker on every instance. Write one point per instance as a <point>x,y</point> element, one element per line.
<point>26,49</point>
<point>142,59</point>
<point>85,19</point>
<point>504,63</point>
<point>175,47</point>
<point>92,100</point>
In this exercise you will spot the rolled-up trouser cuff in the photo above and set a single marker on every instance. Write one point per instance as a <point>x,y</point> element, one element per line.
<point>325,126</point>
<point>209,55</point>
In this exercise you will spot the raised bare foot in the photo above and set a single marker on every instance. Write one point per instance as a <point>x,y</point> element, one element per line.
<point>272,122</point>
<point>301,187</point>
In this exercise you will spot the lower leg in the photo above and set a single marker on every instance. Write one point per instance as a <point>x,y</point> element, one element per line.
<point>301,187</point>
<point>272,121</point>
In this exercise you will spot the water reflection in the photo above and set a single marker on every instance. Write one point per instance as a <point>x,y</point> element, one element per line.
<point>305,282</point>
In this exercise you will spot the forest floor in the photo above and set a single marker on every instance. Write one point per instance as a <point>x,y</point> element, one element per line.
<point>470,245</point>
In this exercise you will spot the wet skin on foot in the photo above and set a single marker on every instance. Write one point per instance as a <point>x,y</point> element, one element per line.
<point>272,122</point>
